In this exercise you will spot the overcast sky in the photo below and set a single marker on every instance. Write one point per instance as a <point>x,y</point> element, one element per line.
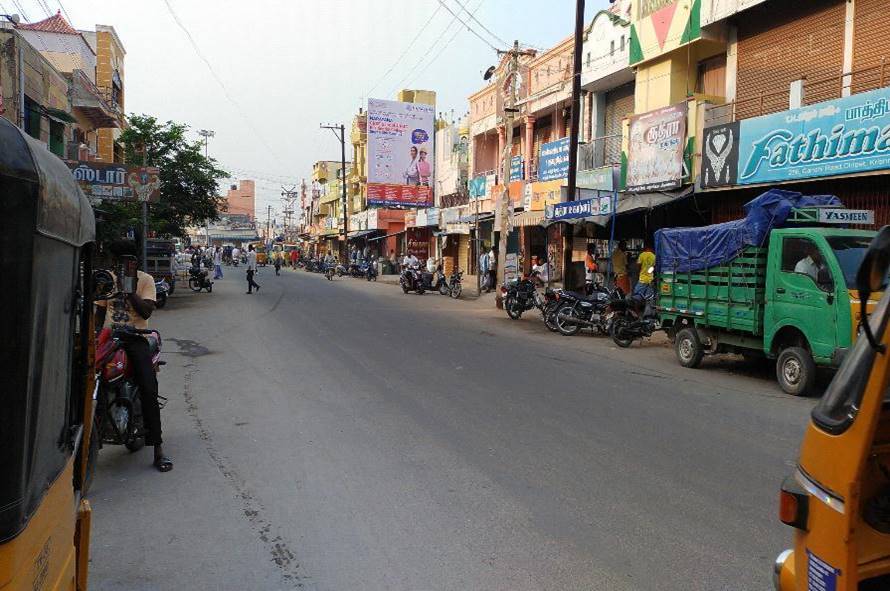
<point>288,65</point>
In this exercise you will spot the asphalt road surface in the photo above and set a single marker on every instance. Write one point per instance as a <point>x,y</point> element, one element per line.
<point>344,436</point>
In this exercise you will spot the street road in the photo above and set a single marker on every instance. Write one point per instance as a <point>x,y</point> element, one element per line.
<point>344,436</point>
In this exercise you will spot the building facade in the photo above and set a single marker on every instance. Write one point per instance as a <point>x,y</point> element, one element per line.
<point>241,199</point>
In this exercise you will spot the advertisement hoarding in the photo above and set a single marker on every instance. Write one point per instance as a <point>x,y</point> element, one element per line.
<point>116,182</point>
<point>553,161</point>
<point>655,150</point>
<point>400,153</point>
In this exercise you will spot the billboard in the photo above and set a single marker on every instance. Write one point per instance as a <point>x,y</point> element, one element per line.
<point>720,155</point>
<point>843,136</point>
<point>553,161</point>
<point>655,150</point>
<point>400,153</point>
<point>116,182</point>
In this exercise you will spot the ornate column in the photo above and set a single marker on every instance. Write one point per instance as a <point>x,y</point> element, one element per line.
<point>528,154</point>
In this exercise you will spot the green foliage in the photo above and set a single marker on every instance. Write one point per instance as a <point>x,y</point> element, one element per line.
<point>189,181</point>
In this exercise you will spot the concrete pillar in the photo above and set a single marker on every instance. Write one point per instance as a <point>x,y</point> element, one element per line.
<point>598,126</point>
<point>732,63</point>
<point>502,144</point>
<point>529,146</point>
<point>849,18</point>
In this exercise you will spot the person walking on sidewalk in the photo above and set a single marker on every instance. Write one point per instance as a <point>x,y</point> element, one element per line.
<point>492,268</point>
<point>276,261</point>
<point>217,263</point>
<point>251,269</point>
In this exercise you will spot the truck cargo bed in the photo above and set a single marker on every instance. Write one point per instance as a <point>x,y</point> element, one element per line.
<point>729,296</point>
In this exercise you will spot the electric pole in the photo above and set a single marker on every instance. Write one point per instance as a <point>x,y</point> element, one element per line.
<point>268,221</point>
<point>508,87</point>
<point>206,134</point>
<point>573,134</point>
<point>340,132</point>
<point>289,196</point>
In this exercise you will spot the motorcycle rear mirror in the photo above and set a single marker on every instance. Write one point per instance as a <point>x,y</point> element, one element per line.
<point>103,284</point>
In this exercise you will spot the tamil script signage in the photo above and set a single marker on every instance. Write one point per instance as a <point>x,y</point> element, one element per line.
<point>720,155</point>
<point>116,182</point>
<point>655,151</point>
<point>553,161</point>
<point>516,169</point>
<point>582,208</point>
<point>400,154</point>
<point>843,136</point>
<point>839,215</point>
<point>598,179</point>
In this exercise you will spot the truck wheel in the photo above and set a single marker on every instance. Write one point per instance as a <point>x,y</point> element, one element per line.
<point>796,371</point>
<point>689,348</point>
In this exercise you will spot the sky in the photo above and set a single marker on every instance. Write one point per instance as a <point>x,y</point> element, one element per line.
<point>264,74</point>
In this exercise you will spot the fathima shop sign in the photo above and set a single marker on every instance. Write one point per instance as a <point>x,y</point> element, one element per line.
<point>843,136</point>
<point>115,182</point>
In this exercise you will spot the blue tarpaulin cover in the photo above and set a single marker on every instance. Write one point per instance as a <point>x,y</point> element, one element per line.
<point>690,249</point>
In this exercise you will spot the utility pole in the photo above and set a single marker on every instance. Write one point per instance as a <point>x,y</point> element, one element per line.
<point>206,134</point>
<point>340,132</point>
<point>289,196</point>
<point>573,134</point>
<point>145,217</point>
<point>268,220</point>
<point>510,111</point>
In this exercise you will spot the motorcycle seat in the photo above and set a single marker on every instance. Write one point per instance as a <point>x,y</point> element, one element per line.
<point>595,297</point>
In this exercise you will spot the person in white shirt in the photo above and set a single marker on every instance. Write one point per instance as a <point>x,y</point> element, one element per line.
<point>236,256</point>
<point>542,269</point>
<point>251,269</point>
<point>217,263</point>
<point>810,265</point>
<point>411,261</point>
<point>431,265</point>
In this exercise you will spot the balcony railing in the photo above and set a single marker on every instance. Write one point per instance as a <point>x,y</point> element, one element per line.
<point>814,91</point>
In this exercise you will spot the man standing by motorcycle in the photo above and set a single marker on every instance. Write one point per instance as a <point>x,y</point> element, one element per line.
<point>646,261</point>
<point>134,310</point>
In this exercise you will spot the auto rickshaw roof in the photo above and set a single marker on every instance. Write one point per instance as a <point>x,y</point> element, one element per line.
<point>63,211</point>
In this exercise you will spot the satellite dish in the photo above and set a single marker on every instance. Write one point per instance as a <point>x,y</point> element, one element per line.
<point>488,73</point>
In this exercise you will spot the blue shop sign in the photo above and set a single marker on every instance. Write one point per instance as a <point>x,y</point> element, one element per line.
<point>843,136</point>
<point>516,169</point>
<point>583,208</point>
<point>476,186</point>
<point>553,161</point>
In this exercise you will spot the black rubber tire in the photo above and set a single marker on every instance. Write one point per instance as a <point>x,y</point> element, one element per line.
<point>512,310</point>
<point>209,288</point>
<point>455,291</point>
<point>568,330</point>
<point>194,285</point>
<point>405,288</point>
<point>161,302</point>
<point>550,319</point>
<point>443,289</point>
<point>616,334</point>
<point>688,348</point>
<point>796,371</point>
<point>420,290</point>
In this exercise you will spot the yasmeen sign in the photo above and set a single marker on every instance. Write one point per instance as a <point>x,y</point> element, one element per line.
<point>400,153</point>
<point>115,182</point>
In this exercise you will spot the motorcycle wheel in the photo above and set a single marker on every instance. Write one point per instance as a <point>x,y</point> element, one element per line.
<point>455,291</point>
<point>512,309</point>
<point>443,289</point>
<point>566,328</point>
<point>405,288</point>
<point>550,318</point>
<point>209,287</point>
<point>619,334</point>
<point>420,290</point>
<point>162,301</point>
<point>194,285</point>
<point>329,275</point>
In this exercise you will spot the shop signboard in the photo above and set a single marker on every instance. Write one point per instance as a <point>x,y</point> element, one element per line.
<point>655,150</point>
<point>511,266</point>
<point>373,220</point>
<point>599,179</point>
<point>476,186</point>
<point>517,169</point>
<point>843,136</point>
<point>553,161</point>
<point>116,182</point>
<point>427,217</point>
<point>720,155</point>
<point>583,208</point>
<point>418,242</point>
<point>400,153</point>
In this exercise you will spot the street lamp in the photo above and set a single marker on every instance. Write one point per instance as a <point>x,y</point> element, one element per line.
<point>206,134</point>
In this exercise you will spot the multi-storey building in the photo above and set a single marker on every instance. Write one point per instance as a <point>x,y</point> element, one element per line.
<point>241,199</point>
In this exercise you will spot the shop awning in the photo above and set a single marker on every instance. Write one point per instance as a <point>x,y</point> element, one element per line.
<point>386,236</point>
<point>361,233</point>
<point>59,115</point>
<point>470,219</point>
<point>631,203</point>
<point>528,218</point>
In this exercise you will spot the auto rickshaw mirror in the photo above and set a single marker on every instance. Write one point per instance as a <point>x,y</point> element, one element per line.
<point>103,284</point>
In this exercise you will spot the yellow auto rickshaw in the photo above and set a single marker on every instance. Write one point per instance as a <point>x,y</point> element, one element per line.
<point>46,339</point>
<point>838,498</point>
<point>262,259</point>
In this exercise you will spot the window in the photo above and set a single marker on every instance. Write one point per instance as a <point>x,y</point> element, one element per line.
<point>588,59</point>
<point>57,138</point>
<point>849,251</point>
<point>801,255</point>
<point>612,48</point>
<point>622,43</point>
<point>31,116</point>
<point>711,76</point>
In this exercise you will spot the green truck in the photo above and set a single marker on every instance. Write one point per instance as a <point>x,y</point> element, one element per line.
<point>793,301</point>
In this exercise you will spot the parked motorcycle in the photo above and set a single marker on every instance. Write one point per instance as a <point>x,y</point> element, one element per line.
<point>370,270</point>
<point>454,283</point>
<point>634,318</point>
<point>198,280</point>
<point>162,290</point>
<point>117,399</point>
<point>411,280</point>
<point>330,269</point>
<point>521,295</point>
<point>552,303</point>
<point>580,310</point>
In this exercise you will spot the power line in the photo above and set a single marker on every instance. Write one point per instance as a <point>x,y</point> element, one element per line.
<point>444,47</point>
<point>469,28</point>
<point>218,79</point>
<point>404,53</point>
<point>486,29</point>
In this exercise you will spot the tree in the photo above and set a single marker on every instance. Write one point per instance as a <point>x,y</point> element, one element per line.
<point>188,180</point>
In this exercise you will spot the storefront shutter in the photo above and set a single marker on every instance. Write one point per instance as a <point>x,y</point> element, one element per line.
<point>783,41</point>
<point>871,45</point>
<point>619,104</point>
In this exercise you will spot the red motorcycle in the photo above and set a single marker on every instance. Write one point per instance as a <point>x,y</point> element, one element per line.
<point>118,403</point>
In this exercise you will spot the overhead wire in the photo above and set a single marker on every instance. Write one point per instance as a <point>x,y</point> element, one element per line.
<point>64,11</point>
<point>218,79</point>
<point>469,28</point>
<point>444,47</point>
<point>484,28</point>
